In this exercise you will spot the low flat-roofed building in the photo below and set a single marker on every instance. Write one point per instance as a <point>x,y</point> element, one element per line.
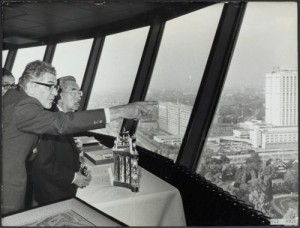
<point>277,182</point>
<point>283,155</point>
<point>168,139</point>
<point>242,133</point>
<point>275,137</point>
<point>148,124</point>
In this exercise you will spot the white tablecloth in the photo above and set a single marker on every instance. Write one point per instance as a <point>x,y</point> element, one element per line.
<point>156,204</point>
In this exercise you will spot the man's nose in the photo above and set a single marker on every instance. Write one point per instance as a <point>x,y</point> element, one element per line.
<point>54,92</point>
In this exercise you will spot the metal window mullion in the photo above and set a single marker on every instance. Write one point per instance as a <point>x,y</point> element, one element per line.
<point>10,59</point>
<point>145,70</point>
<point>211,84</point>
<point>49,53</point>
<point>91,70</point>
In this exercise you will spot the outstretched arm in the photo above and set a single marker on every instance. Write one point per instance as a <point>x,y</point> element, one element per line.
<point>135,110</point>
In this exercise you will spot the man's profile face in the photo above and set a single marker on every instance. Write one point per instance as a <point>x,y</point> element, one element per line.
<point>70,98</point>
<point>6,81</point>
<point>43,93</point>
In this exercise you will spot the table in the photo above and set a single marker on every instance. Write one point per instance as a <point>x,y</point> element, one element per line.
<point>156,204</point>
<point>70,212</point>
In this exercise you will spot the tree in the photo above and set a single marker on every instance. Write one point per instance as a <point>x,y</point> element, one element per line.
<point>240,175</point>
<point>292,213</point>
<point>257,198</point>
<point>206,159</point>
<point>228,172</point>
<point>291,180</point>
<point>289,164</point>
<point>254,161</point>
<point>269,170</point>
<point>267,175</point>
<point>253,166</point>
<point>224,159</point>
<point>242,194</point>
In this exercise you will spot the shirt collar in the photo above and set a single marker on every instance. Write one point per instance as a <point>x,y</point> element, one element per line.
<point>59,108</point>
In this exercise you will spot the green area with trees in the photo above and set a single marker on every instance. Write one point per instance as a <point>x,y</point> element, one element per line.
<point>251,181</point>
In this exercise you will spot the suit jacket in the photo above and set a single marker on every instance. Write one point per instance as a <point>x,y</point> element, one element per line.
<point>53,168</point>
<point>24,119</point>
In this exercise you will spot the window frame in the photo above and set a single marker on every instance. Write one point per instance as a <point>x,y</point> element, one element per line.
<point>211,85</point>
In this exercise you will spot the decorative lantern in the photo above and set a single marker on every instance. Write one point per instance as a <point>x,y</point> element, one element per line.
<point>126,169</point>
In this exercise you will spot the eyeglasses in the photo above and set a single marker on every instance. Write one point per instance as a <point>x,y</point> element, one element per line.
<point>50,86</point>
<point>9,86</point>
<point>75,93</point>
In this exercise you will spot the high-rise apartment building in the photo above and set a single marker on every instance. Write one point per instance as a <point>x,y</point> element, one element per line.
<point>173,118</point>
<point>282,98</point>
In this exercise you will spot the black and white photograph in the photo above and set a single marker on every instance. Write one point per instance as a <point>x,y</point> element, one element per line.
<point>195,102</point>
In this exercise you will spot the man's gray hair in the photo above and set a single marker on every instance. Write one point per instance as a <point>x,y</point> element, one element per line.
<point>63,85</point>
<point>63,81</point>
<point>35,70</point>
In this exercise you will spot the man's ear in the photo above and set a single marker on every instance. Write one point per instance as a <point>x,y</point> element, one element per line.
<point>59,99</point>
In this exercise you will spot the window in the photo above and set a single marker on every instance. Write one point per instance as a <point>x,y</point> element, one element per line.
<point>116,72</point>
<point>25,56</point>
<point>4,55</point>
<point>71,58</point>
<point>177,74</point>
<point>265,53</point>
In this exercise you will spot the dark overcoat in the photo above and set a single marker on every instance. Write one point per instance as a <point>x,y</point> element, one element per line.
<point>24,119</point>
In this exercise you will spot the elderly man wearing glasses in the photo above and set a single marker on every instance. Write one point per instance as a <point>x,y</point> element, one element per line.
<point>8,81</point>
<point>55,170</point>
<point>24,120</point>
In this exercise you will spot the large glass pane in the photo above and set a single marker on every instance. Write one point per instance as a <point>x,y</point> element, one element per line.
<point>4,55</point>
<point>116,72</point>
<point>25,56</point>
<point>71,58</point>
<point>252,147</point>
<point>176,78</point>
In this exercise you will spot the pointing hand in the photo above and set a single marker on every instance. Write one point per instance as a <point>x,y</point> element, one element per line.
<point>136,110</point>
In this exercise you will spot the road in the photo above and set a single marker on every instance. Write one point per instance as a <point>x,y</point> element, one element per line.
<point>282,203</point>
<point>145,142</point>
<point>252,116</point>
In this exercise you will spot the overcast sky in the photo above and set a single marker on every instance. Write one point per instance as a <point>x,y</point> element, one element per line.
<point>268,39</point>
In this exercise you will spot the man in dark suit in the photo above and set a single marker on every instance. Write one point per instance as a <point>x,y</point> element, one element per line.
<point>55,170</point>
<point>24,119</point>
